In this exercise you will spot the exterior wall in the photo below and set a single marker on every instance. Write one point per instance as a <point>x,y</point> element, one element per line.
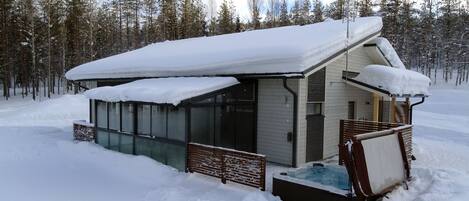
<point>338,94</point>
<point>302,123</point>
<point>275,120</point>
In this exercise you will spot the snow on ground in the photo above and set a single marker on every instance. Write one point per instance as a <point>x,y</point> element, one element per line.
<point>40,162</point>
<point>441,146</point>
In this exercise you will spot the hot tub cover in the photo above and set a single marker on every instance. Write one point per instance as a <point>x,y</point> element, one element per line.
<point>161,90</point>
<point>396,81</point>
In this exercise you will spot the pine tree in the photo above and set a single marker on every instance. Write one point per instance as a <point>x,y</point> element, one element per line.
<point>284,18</point>
<point>336,10</point>
<point>306,12</point>
<point>167,20</point>
<point>226,18</point>
<point>365,8</point>
<point>318,10</point>
<point>255,11</point>
<point>273,12</point>
<point>296,13</point>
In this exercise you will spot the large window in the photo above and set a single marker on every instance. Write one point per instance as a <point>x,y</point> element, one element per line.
<point>158,121</point>
<point>160,130</point>
<point>226,119</point>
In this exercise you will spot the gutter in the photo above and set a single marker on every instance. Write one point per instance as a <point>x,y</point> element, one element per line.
<point>412,108</point>
<point>295,120</point>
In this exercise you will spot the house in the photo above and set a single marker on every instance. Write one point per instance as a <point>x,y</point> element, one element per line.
<point>278,92</point>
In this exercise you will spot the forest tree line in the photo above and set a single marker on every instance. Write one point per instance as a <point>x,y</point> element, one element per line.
<point>41,39</point>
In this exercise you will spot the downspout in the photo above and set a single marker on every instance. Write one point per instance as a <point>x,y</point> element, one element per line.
<point>412,106</point>
<point>295,120</point>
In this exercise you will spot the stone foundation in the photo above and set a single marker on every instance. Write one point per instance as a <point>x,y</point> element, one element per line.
<point>83,131</point>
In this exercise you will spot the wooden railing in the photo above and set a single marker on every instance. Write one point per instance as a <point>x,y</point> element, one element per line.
<point>227,164</point>
<point>83,131</point>
<point>349,128</point>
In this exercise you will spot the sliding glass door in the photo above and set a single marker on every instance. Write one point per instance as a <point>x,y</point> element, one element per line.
<point>226,119</point>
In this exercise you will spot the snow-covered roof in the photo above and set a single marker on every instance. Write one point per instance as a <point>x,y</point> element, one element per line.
<point>283,50</point>
<point>388,51</point>
<point>161,90</point>
<point>396,81</point>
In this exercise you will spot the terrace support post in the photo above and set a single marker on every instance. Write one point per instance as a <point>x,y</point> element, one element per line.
<point>393,109</point>
<point>375,107</point>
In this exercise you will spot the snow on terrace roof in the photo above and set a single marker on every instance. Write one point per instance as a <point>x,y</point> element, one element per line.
<point>396,81</point>
<point>388,51</point>
<point>283,50</point>
<point>161,90</point>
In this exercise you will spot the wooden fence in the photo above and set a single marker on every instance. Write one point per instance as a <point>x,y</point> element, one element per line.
<point>349,128</point>
<point>227,164</point>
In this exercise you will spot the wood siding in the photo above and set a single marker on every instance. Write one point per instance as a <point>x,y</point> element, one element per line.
<point>275,120</point>
<point>338,94</point>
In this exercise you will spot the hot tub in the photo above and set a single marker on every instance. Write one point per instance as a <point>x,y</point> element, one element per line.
<point>316,182</point>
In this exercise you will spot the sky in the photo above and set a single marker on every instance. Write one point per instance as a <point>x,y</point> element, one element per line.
<point>243,9</point>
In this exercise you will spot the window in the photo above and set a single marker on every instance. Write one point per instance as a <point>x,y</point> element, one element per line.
<point>202,125</point>
<point>127,118</point>
<point>227,121</point>
<point>102,138</point>
<point>114,141</point>
<point>177,124</point>
<point>167,124</point>
<point>114,116</point>
<point>158,121</point>
<point>314,109</point>
<point>351,110</point>
<point>144,119</point>
<point>102,115</point>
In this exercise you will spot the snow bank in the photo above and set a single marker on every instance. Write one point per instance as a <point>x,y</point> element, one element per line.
<point>389,52</point>
<point>291,49</point>
<point>161,90</point>
<point>395,80</point>
<point>39,161</point>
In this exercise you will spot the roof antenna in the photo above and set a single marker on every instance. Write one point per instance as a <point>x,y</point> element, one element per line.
<point>348,18</point>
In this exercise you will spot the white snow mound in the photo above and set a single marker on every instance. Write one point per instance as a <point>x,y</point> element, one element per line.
<point>283,50</point>
<point>389,52</point>
<point>161,90</point>
<point>395,80</point>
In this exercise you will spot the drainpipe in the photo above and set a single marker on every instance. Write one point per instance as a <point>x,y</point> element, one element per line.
<point>412,106</point>
<point>295,120</point>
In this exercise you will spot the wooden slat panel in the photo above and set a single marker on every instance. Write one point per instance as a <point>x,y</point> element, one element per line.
<point>350,128</point>
<point>228,164</point>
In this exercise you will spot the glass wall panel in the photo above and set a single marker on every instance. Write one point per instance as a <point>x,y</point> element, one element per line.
<point>244,128</point>
<point>226,137</point>
<point>114,141</point>
<point>158,118</point>
<point>114,116</point>
<point>158,151</point>
<point>176,156</point>
<point>143,146</point>
<point>126,144</point>
<point>102,138</point>
<point>177,124</point>
<point>144,119</point>
<point>127,118</point>
<point>102,115</point>
<point>202,125</point>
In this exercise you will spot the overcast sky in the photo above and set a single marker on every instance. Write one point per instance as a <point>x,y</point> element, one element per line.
<point>243,10</point>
